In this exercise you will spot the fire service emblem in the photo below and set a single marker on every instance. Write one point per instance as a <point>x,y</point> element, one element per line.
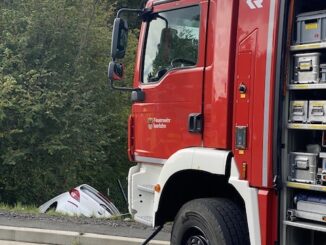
<point>158,123</point>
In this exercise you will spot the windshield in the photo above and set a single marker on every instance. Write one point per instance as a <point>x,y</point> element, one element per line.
<point>172,42</point>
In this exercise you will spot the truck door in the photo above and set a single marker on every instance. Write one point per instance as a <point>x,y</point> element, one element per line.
<point>169,70</point>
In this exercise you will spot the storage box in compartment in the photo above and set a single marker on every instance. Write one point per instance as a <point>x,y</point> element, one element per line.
<point>298,111</point>
<point>309,215</point>
<point>322,156</point>
<point>311,207</point>
<point>311,27</point>
<point>307,68</point>
<point>323,73</point>
<point>317,111</point>
<point>303,167</point>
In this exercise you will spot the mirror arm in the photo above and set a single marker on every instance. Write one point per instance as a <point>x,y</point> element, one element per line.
<point>128,10</point>
<point>120,88</point>
<point>164,19</point>
<point>145,14</point>
<point>137,94</point>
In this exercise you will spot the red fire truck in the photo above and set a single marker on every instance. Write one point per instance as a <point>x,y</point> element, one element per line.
<point>228,119</point>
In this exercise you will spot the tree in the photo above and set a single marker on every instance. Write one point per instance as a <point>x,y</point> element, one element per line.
<point>60,126</point>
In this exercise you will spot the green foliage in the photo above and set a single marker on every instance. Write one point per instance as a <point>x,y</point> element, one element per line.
<point>60,125</point>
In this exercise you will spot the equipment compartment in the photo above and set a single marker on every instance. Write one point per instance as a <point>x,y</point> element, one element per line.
<point>303,149</point>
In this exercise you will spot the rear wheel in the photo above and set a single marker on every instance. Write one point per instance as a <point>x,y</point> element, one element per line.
<point>210,222</point>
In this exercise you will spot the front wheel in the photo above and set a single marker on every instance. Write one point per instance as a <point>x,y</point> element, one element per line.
<point>210,222</point>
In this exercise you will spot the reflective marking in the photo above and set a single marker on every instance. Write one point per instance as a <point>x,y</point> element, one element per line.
<point>251,4</point>
<point>267,92</point>
<point>254,4</point>
<point>259,3</point>
<point>150,160</point>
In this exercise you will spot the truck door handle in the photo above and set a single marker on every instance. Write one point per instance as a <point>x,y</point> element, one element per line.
<point>195,123</point>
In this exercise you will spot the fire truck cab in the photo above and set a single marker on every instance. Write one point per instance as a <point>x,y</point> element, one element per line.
<point>228,120</point>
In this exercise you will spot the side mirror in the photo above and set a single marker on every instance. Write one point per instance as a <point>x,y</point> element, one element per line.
<point>119,38</point>
<point>115,71</point>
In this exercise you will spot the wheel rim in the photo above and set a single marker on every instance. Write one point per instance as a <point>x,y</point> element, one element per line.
<point>195,236</point>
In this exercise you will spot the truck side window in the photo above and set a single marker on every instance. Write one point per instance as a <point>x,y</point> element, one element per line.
<point>172,42</point>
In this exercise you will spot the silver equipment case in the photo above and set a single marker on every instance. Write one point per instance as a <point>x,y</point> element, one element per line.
<point>298,111</point>
<point>303,167</point>
<point>317,111</point>
<point>323,73</point>
<point>306,68</point>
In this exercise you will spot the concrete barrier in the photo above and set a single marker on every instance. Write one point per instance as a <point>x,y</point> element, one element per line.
<point>43,236</point>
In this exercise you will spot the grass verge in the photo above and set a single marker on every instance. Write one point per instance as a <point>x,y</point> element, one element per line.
<point>19,208</point>
<point>32,209</point>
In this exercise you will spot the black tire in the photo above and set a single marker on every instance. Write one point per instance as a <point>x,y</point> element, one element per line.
<point>210,221</point>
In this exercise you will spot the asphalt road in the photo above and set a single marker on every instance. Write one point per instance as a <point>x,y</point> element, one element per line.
<point>82,225</point>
